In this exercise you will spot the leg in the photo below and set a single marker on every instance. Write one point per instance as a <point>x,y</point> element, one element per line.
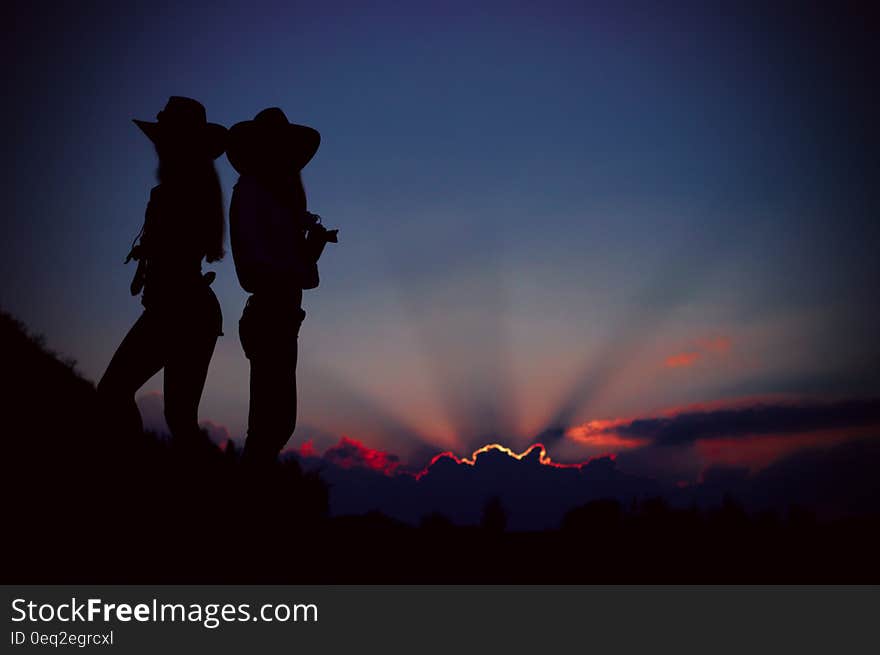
<point>139,357</point>
<point>272,413</point>
<point>269,333</point>
<point>192,345</point>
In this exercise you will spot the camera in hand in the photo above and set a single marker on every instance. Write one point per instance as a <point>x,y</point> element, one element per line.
<point>313,225</point>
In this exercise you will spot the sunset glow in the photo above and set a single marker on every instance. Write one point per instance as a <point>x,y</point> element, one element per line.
<point>543,457</point>
<point>350,453</point>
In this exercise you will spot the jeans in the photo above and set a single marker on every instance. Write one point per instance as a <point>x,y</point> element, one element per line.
<point>269,329</point>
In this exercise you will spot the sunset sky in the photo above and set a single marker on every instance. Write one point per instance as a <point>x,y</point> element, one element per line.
<point>549,215</point>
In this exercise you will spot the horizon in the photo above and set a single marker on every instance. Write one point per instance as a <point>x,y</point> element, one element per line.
<point>831,479</point>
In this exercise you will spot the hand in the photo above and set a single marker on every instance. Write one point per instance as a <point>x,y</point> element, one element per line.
<point>322,232</point>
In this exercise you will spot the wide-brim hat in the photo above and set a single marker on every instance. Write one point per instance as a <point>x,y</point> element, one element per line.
<point>270,137</point>
<point>183,123</point>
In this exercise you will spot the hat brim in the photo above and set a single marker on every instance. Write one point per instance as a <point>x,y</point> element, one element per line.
<point>211,137</point>
<point>251,143</point>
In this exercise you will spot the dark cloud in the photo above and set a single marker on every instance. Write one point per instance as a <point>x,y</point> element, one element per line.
<point>757,419</point>
<point>535,494</point>
<point>833,482</point>
<point>841,480</point>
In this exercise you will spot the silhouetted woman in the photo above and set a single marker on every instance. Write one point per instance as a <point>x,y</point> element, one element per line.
<point>276,244</point>
<point>181,321</point>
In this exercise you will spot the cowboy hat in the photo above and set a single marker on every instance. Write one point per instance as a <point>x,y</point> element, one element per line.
<point>270,137</point>
<point>183,121</point>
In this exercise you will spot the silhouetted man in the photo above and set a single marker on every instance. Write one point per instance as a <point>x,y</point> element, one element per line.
<point>276,244</point>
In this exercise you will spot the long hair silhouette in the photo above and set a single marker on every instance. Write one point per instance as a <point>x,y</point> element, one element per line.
<point>196,178</point>
<point>178,329</point>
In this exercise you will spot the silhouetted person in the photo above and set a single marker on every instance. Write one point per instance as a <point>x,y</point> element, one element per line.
<point>276,244</point>
<point>181,321</point>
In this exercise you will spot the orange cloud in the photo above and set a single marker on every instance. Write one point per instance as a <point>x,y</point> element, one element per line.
<point>752,433</point>
<point>601,434</point>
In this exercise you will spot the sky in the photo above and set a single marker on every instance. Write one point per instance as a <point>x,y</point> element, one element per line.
<point>550,213</point>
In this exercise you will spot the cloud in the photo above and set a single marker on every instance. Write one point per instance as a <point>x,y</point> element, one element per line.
<point>535,490</point>
<point>603,435</point>
<point>307,449</point>
<point>351,453</point>
<point>779,418</point>
<point>840,480</point>
<point>536,453</point>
